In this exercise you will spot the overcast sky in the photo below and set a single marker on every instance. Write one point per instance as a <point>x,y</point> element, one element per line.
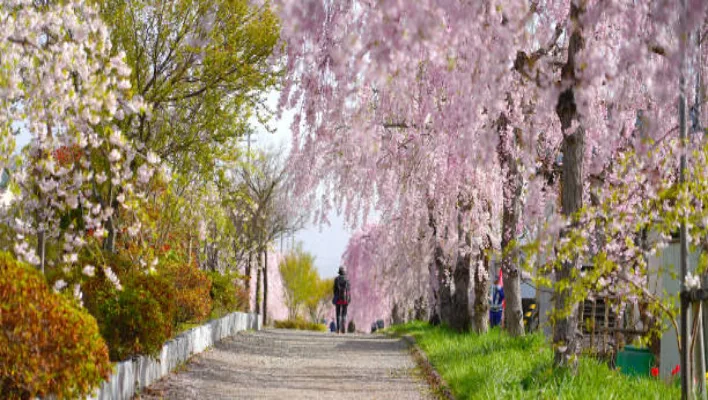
<point>326,243</point>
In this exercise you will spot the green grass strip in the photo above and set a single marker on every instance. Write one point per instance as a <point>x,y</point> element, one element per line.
<point>497,366</point>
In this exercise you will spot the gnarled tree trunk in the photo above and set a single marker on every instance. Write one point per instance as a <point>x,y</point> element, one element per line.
<point>433,273</point>
<point>513,313</point>
<point>480,320</point>
<point>565,333</point>
<point>433,295</point>
<point>443,267</point>
<point>513,185</point>
<point>566,339</point>
<point>442,270</point>
<point>460,313</point>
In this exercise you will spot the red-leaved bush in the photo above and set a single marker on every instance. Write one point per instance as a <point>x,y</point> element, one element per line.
<point>192,291</point>
<point>48,345</point>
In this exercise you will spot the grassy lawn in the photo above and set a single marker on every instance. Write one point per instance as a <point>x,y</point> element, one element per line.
<point>496,366</point>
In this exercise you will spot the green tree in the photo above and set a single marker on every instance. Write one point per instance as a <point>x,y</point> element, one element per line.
<point>300,280</point>
<point>320,297</point>
<point>204,67</point>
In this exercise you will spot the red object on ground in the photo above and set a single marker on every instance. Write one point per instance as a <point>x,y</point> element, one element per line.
<point>676,370</point>
<point>654,372</point>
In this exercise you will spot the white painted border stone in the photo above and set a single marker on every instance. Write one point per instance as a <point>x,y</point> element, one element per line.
<point>133,375</point>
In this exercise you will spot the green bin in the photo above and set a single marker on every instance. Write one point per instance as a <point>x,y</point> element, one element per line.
<point>634,361</point>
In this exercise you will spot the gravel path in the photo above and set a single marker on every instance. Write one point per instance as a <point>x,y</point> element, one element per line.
<point>286,364</point>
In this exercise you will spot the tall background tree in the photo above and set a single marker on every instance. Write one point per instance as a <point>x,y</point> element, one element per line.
<point>205,68</point>
<point>273,211</point>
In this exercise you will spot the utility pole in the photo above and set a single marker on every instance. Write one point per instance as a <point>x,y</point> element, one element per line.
<point>248,144</point>
<point>699,312</point>
<point>686,375</point>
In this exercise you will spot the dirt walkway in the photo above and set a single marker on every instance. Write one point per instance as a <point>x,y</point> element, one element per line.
<point>285,364</point>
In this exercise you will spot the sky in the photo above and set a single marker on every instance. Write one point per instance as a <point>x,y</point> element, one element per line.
<point>327,243</point>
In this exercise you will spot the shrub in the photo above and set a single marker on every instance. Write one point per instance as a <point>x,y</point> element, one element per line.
<point>226,294</point>
<point>192,291</point>
<point>163,291</point>
<point>119,262</point>
<point>97,290</point>
<point>242,299</point>
<point>136,320</point>
<point>47,344</point>
<point>132,323</point>
<point>300,324</point>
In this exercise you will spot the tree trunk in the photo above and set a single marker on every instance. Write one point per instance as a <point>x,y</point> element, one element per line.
<point>461,300</point>
<point>480,321</point>
<point>397,315</point>
<point>258,285</point>
<point>512,188</point>
<point>565,338</point>
<point>444,281</point>
<point>247,281</point>
<point>109,244</point>
<point>420,309</point>
<point>433,274</point>
<point>214,258</point>
<point>265,286</point>
<point>189,252</point>
<point>41,249</point>
<point>566,341</point>
<point>513,314</point>
<point>433,295</point>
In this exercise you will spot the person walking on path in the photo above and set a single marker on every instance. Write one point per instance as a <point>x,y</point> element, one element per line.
<point>496,302</point>
<point>341,299</point>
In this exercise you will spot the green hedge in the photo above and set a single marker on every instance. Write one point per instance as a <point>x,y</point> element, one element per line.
<point>227,294</point>
<point>300,324</point>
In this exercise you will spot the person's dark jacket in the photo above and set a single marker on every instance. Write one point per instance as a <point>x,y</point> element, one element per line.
<point>341,290</point>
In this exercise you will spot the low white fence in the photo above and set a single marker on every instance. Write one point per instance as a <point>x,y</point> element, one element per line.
<point>133,375</point>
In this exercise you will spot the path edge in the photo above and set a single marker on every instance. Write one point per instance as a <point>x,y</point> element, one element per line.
<point>437,384</point>
<point>131,376</point>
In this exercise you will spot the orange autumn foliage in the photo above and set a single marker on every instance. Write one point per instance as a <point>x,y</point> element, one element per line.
<point>48,345</point>
<point>192,291</point>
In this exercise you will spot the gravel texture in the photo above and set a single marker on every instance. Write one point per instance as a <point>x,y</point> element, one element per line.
<point>288,364</point>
